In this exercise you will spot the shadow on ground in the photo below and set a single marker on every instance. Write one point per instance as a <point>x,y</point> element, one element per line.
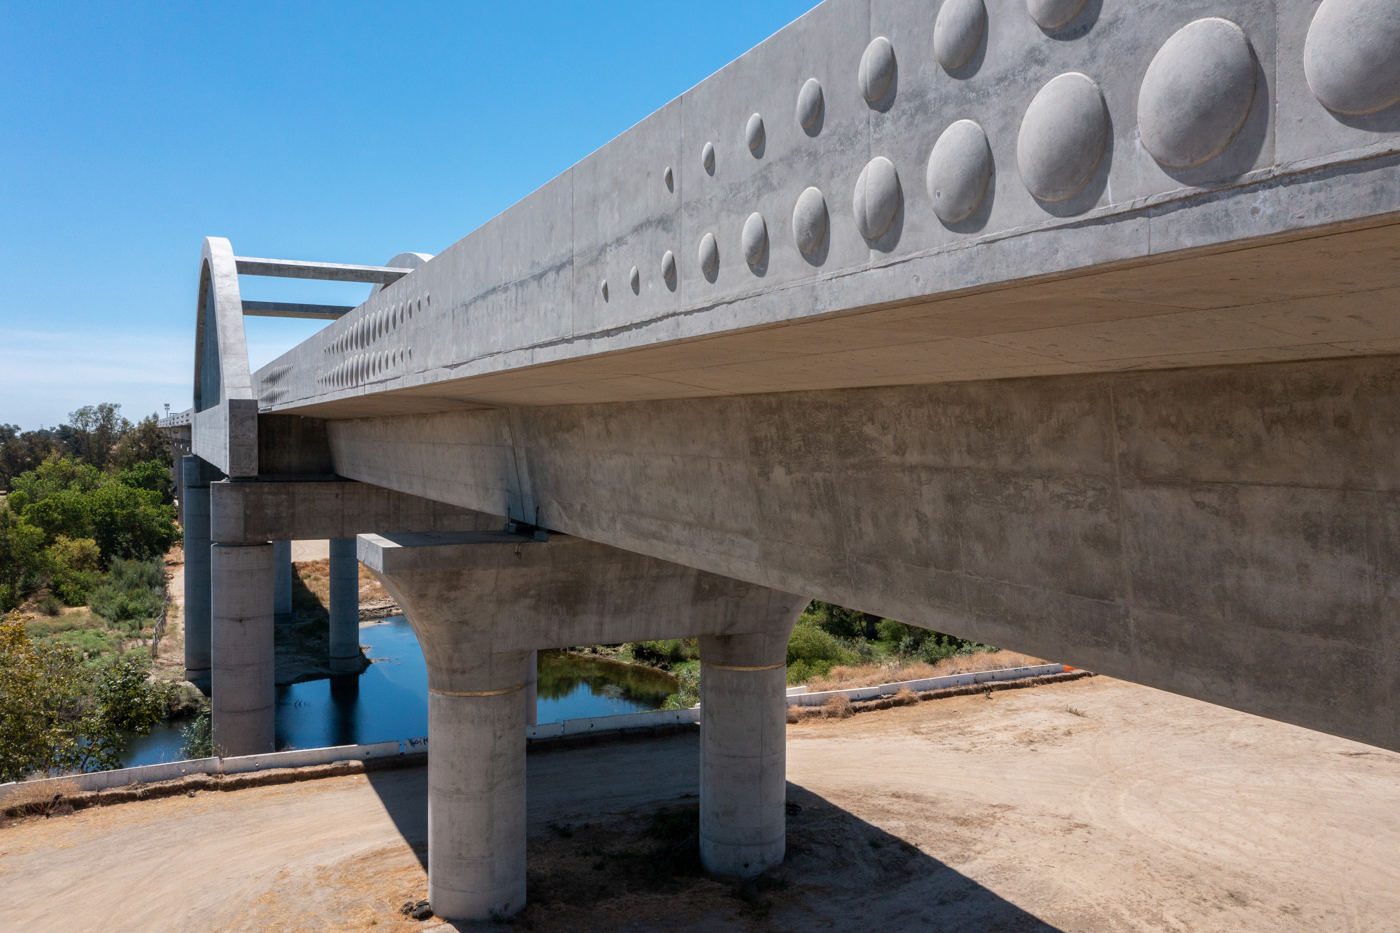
<point>612,847</point>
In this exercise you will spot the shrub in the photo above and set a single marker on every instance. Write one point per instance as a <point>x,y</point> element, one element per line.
<point>134,590</point>
<point>689,693</point>
<point>666,651</point>
<point>837,620</point>
<point>50,606</point>
<point>199,736</point>
<point>810,643</point>
<point>72,565</point>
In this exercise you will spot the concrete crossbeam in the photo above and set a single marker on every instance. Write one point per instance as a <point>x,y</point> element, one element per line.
<point>283,508</point>
<point>293,309</point>
<point>325,271</point>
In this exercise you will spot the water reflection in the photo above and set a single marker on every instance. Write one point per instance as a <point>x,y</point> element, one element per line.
<point>389,701</point>
<point>573,687</point>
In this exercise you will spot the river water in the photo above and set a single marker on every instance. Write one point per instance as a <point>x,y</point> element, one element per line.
<point>390,700</point>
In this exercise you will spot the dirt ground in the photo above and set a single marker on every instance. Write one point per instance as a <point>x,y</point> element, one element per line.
<point>1087,806</point>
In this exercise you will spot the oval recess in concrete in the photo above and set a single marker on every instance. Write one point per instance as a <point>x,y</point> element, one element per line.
<point>1062,136</point>
<point>876,69</point>
<point>754,238</point>
<point>668,266</point>
<point>668,178</point>
<point>809,220</point>
<point>709,253</point>
<point>809,104</point>
<point>634,278</point>
<point>1352,55</point>
<point>707,157</point>
<point>876,198</point>
<point>1052,14</point>
<point>603,289</point>
<point>753,132</point>
<point>958,32</point>
<point>1197,93</point>
<point>959,169</point>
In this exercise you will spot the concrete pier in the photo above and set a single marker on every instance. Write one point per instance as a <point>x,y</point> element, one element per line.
<point>476,784</point>
<point>196,508</point>
<point>282,581</point>
<point>743,752</point>
<point>244,663</point>
<point>482,604</point>
<point>344,605</point>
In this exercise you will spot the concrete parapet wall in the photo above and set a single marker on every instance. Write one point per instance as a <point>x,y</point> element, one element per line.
<point>1131,133</point>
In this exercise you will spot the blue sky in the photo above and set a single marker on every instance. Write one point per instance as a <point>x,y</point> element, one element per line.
<point>345,132</point>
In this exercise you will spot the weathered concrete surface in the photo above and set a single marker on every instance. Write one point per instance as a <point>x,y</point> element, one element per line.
<point>195,523</point>
<point>1151,812</point>
<point>1227,533</point>
<point>482,602</point>
<point>344,608</point>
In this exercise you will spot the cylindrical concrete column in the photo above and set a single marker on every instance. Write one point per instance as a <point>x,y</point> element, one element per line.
<point>345,606</point>
<point>532,690</point>
<point>244,660</point>
<point>743,753</point>
<point>196,527</point>
<point>476,790</point>
<point>282,581</point>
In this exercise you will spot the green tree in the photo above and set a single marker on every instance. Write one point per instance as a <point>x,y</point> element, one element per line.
<point>151,475</point>
<point>143,443</point>
<point>21,557</point>
<point>93,431</point>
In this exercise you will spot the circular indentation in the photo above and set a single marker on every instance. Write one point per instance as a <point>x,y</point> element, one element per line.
<point>707,157</point>
<point>1052,14</point>
<point>603,289</point>
<point>958,171</point>
<point>958,32</point>
<point>809,104</point>
<point>709,253</point>
<point>1196,93</point>
<point>809,220</point>
<point>634,278</point>
<point>1352,55</point>
<point>754,238</point>
<point>876,69</point>
<point>668,266</point>
<point>669,179</point>
<point>753,132</point>
<point>1062,137</point>
<point>876,198</point>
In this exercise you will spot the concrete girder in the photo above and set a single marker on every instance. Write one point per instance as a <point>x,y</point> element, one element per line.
<point>482,602</point>
<point>1223,533</point>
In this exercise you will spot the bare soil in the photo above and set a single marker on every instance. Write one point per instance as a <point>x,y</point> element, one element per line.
<point>1091,806</point>
<point>847,677</point>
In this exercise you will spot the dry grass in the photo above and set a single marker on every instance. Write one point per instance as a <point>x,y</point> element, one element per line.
<point>316,577</point>
<point>838,707</point>
<point>872,675</point>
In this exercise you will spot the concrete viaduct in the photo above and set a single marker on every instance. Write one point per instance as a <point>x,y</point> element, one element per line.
<point>1070,326</point>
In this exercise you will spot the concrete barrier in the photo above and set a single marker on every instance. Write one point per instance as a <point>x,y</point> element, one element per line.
<point>929,683</point>
<point>305,757</point>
